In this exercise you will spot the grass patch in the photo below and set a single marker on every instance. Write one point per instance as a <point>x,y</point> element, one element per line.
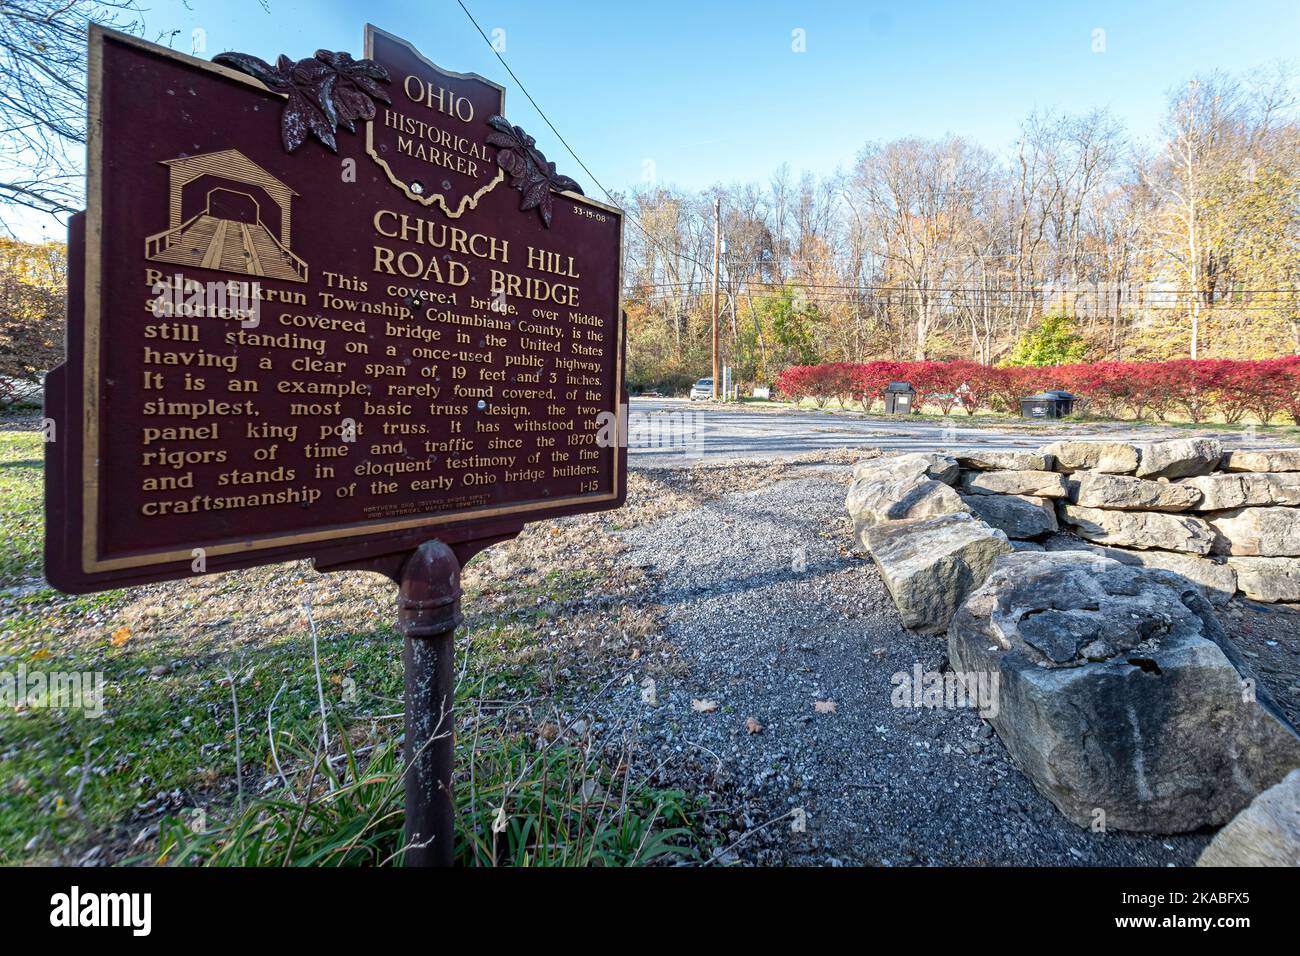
<point>129,786</point>
<point>167,737</point>
<point>523,804</point>
<point>21,505</point>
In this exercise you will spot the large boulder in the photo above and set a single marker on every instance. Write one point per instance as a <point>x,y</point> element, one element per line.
<point>1268,579</point>
<point>1179,458</point>
<point>1262,459</point>
<point>1214,576</point>
<point>1140,529</point>
<point>1245,489</point>
<point>1004,460</point>
<point>1266,833</point>
<point>1038,484</point>
<point>1117,458</point>
<point>1118,693</point>
<point>931,564</point>
<point>894,489</point>
<point>1019,516</point>
<point>1266,532</point>
<point>1096,489</point>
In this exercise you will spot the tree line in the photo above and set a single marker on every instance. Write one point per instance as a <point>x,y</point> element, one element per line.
<point>946,250</point>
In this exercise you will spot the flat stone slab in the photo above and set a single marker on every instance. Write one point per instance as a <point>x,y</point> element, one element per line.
<point>1245,489</point>
<point>929,565</point>
<point>1119,458</point>
<point>1270,580</point>
<point>1262,459</point>
<point>1038,484</point>
<point>1018,516</point>
<point>1266,833</point>
<point>1214,576</point>
<point>1140,529</point>
<point>1265,532</point>
<point>1117,693</point>
<point>1178,458</point>
<point>1096,489</point>
<point>895,489</point>
<point>938,466</point>
<point>1005,460</point>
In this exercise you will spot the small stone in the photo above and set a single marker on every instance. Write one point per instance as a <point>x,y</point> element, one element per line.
<point>1140,529</point>
<point>1095,489</point>
<point>1264,459</point>
<point>1038,484</point>
<point>1265,532</point>
<point>1245,489</point>
<point>1179,458</point>
<point>892,489</point>
<point>1117,458</point>
<point>1005,460</point>
<point>1019,516</point>
<point>929,565</point>
<point>1268,579</point>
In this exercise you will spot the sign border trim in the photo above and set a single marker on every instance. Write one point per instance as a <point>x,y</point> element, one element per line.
<point>91,320</point>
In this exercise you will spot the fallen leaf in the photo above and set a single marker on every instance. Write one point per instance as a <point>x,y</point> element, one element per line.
<point>704,706</point>
<point>752,726</point>
<point>121,636</point>
<point>41,655</point>
<point>636,653</point>
<point>824,706</point>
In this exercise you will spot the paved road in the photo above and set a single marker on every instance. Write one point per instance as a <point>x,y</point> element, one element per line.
<point>673,432</point>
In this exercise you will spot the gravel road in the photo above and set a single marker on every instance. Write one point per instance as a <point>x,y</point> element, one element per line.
<point>771,615</point>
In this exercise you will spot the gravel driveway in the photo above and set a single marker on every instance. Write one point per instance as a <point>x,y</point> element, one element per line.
<point>772,616</point>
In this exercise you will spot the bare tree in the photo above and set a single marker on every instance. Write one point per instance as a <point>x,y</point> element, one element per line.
<point>43,98</point>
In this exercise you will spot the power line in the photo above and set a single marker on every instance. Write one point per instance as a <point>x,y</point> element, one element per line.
<point>971,303</point>
<point>523,89</point>
<point>939,290</point>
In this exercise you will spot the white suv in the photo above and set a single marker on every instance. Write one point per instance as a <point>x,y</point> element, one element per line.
<point>702,389</point>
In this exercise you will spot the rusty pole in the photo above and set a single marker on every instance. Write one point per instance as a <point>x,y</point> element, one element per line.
<point>428,613</point>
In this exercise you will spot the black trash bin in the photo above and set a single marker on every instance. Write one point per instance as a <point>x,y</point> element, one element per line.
<point>1053,403</point>
<point>898,398</point>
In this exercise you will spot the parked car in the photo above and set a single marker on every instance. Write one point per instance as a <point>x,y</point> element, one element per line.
<point>702,389</point>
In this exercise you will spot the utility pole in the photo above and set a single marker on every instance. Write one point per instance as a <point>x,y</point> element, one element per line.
<point>717,237</point>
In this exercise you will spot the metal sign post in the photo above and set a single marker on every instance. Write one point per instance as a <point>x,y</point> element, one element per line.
<point>428,613</point>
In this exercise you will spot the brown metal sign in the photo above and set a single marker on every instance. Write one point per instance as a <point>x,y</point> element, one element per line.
<point>328,308</point>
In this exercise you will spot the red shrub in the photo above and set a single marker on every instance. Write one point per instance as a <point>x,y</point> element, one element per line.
<point>1197,389</point>
<point>870,379</point>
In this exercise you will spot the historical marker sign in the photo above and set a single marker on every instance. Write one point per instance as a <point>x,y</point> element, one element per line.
<point>325,308</point>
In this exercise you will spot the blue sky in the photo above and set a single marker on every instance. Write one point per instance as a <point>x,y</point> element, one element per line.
<point>713,92</point>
